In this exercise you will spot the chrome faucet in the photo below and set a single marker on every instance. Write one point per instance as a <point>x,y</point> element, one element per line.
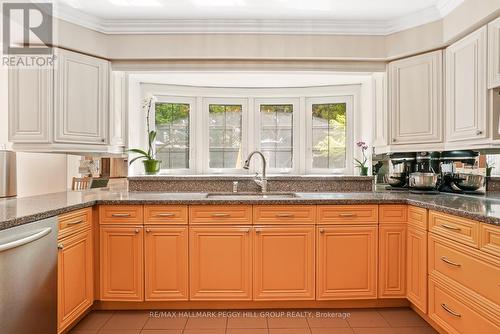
<point>260,180</point>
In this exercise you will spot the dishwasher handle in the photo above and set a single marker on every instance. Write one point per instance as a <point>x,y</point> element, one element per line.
<point>23,241</point>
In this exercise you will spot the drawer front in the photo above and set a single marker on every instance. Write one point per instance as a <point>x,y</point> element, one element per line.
<point>74,221</point>
<point>490,239</point>
<point>393,214</point>
<point>455,315</point>
<point>463,230</point>
<point>165,214</point>
<point>121,214</point>
<point>220,214</point>
<point>284,214</point>
<point>417,217</point>
<point>347,214</point>
<point>466,266</point>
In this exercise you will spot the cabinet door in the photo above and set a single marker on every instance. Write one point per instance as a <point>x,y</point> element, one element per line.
<point>494,53</point>
<point>117,109</point>
<point>284,263</point>
<point>30,105</point>
<point>415,93</point>
<point>81,98</point>
<point>347,262</point>
<point>75,283</point>
<point>166,263</point>
<point>466,93</point>
<point>416,264</point>
<point>121,254</point>
<point>220,263</point>
<point>392,261</point>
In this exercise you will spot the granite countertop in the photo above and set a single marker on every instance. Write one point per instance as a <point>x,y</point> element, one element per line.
<point>18,211</point>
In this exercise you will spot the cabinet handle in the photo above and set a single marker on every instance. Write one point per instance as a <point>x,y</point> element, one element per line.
<point>450,311</point>
<point>285,215</point>
<point>479,132</point>
<point>246,230</point>
<point>60,246</point>
<point>446,260</point>
<point>166,215</point>
<point>449,227</point>
<point>120,215</point>
<point>75,222</point>
<point>220,215</point>
<point>321,230</point>
<point>347,215</point>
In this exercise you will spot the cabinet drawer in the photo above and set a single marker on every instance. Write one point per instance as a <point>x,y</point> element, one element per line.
<point>72,222</point>
<point>393,214</point>
<point>417,217</point>
<point>459,229</point>
<point>490,239</point>
<point>469,267</point>
<point>220,214</point>
<point>454,314</point>
<point>284,214</point>
<point>347,214</point>
<point>165,214</point>
<point>121,214</point>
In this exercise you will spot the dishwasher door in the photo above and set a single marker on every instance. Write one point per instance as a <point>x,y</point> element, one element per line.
<point>28,278</point>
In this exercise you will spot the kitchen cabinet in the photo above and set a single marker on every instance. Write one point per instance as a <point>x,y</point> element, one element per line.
<point>75,277</point>
<point>392,260</point>
<point>220,263</point>
<point>466,88</point>
<point>118,109</point>
<point>346,262</point>
<point>121,267</point>
<point>415,99</point>
<point>166,263</point>
<point>416,267</point>
<point>494,53</point>
<point>284,263</point>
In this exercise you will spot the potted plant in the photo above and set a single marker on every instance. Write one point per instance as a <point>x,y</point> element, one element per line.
<point>363,169</point>
<point>151,164</point>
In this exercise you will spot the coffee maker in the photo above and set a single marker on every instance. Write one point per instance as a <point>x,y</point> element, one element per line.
<point>401,165</point>
<point>460,173</point>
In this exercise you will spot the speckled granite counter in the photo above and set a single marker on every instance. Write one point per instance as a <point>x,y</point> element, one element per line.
<point>19,211</point>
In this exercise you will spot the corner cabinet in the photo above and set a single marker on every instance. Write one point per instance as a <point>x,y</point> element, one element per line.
<point>494,53</point>
<point>415,105</point>
<point>466,91</point>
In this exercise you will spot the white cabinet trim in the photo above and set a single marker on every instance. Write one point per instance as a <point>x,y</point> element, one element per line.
<point>494,53</point>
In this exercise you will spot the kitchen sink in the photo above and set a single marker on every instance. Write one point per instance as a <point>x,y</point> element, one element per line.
<point>243,195</point>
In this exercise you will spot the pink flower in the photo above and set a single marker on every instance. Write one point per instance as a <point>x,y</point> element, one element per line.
<point>361,143</point>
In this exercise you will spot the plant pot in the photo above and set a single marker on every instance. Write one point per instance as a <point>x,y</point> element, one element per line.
<point>363,171</point>
<point>151,167</point>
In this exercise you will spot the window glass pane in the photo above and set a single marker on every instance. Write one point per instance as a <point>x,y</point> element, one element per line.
<point>172,139</point>
<point>276,134</point>
<point>225,135</point>
<point>329,135</point>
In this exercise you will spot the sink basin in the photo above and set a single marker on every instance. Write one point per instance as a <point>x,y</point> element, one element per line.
<point>269,195</point>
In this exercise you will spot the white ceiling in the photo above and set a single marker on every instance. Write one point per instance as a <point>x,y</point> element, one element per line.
<point>263,16</point>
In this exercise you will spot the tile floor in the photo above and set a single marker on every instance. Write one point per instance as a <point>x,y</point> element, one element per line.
<point>334,321</point>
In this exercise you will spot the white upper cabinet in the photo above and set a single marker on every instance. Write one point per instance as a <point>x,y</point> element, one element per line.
<point>466,91</point>
<point>118,109</point>
<point>494,53</point>
<point>30,105</point>
<point>81,98</point>
<point>415,99</point>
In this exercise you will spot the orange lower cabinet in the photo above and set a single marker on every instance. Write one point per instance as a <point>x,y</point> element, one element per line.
<point>220,263</point>
<point>284,263</point>
<point>392,261</point>
<point>346,262</point>
<point>121,267</point>
<point>166,263</point>
<point>416,267</point>
<point>75,283</point>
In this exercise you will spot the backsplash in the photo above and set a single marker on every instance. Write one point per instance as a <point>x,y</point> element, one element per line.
<point>216,183</point>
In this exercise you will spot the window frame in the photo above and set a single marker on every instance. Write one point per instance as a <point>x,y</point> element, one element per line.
<point>349,101</point>
<point>159,99</point>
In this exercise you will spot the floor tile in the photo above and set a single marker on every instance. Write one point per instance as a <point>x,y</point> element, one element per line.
<point>287,322</point>
<point>246,331</point>
<point>120,331</point>
<point>127,320</point>
<point>206,323</point>
<point>378,330</point>
<point>320,322</point>
<point>289,331</point>
<point>332,330</point>
<point>204,331</point>
<point>402,317</point>
<point>94,320</point>
<point>247,322</point>
<point>83,331</point>
<point>161,331</point>
<point>166,323</point>
<point>366,318</point>
<point>415,330</point>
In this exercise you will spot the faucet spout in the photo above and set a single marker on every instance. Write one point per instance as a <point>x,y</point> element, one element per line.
<point>262,181</point>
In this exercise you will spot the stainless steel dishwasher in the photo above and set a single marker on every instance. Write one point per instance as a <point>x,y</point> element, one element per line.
<point>28,278</point>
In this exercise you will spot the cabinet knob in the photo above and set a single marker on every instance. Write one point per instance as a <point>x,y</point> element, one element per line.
<point>257,231</point>
<point>393,140</point>
<point>60,246</point>
<point>136,230</point>
<point>321,230</point>
<point>479,132</point>
<point>103,140</point>
<point>148,230</point>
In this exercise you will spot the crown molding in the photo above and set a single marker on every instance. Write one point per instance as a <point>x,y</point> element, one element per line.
<point>251,26</point>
